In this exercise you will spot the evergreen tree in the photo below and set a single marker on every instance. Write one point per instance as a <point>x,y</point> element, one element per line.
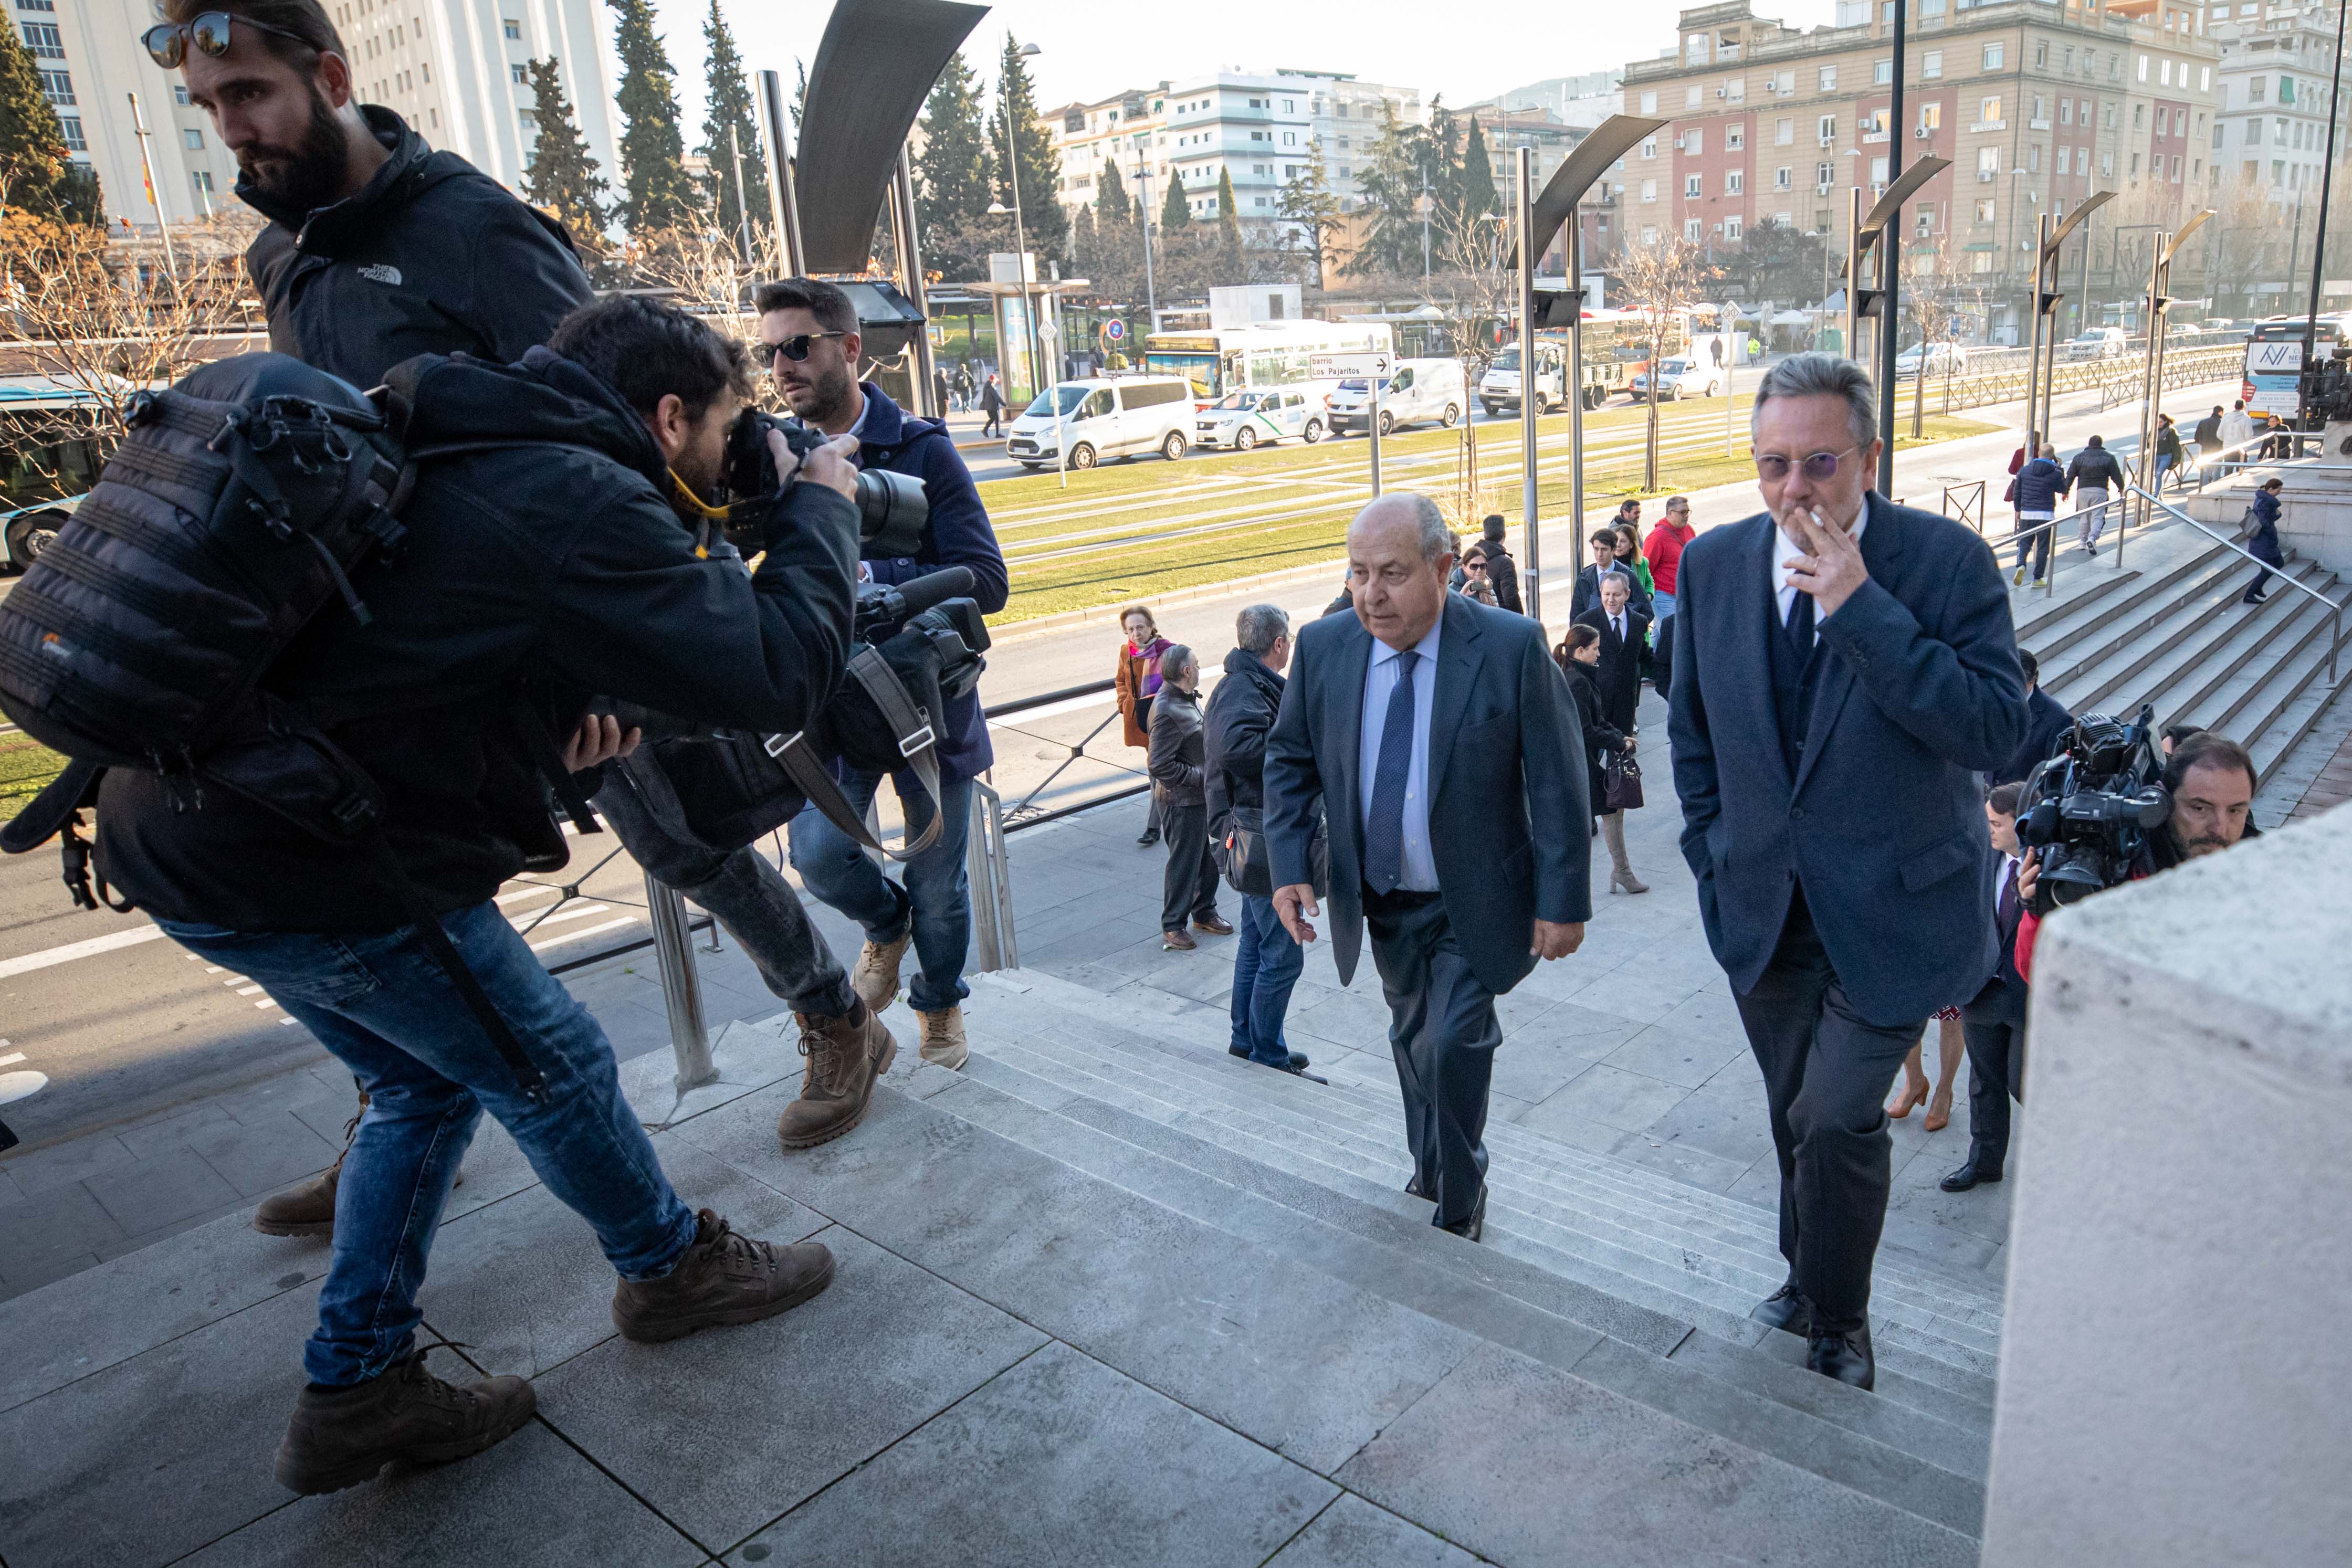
<point>953,176</point>
<point>562,177</point>
<point>1085,247</point>
<point>1475,186</point>
<point>39,172</point>
<point>1308,202</point>
<point>655,192</point>
<point>1392,186</point>
<point>1017,126</point>
<point>1229,228</point>
<point>1110,193</point>
<point>1175,212</point>
<point>1139,215</point>
<point>728,108</point>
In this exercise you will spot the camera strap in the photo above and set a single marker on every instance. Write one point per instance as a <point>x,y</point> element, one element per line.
<point>917,743</point>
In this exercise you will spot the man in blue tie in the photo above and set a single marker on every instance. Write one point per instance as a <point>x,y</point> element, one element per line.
<point>1437,732</point>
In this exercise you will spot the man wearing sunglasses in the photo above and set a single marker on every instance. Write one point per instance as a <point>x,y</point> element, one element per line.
<point>1844,668</point>
<point>378,248</point>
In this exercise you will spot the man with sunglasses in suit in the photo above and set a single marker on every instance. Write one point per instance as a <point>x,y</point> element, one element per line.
<point>1844,668</point>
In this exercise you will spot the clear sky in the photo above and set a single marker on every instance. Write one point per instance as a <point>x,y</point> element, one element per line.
<point>1092,50</point>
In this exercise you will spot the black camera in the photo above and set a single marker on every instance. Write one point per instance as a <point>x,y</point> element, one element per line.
<point>2090,809</point>
<point>2327,385</point>
<point>891,507</point>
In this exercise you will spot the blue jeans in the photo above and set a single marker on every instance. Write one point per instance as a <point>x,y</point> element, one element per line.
<point>1267,964</point>
<point>1661,605</point>
<point>936,897</point>
<point>384,1008</point>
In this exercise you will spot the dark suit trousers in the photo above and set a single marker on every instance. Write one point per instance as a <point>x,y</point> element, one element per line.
<point>1996,1076</point>
<point>1190,891</point>
<point>1826,1073</point>
<point>1444,1031</point>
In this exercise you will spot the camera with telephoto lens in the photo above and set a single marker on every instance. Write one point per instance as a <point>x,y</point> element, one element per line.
<point>2327,385</point>
<point>891,507</point>
<point>2090,809</point>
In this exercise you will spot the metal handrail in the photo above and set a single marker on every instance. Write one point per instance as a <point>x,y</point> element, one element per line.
<point>2022,535</point>
<point>2335,609</point>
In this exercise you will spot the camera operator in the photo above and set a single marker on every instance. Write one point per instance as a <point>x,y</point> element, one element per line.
<point>2210,781</point>
<point>555,554</point>
<point>810,332</point>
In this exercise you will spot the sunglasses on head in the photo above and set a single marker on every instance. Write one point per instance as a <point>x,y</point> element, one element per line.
<point>1820,467</point>
<point>167,42</point>
<point>796,348</point>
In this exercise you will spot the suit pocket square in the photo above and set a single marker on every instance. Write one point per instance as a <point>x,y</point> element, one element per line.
<point>1945,857</point>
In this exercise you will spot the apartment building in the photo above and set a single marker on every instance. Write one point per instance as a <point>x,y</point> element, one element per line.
<point>454,69</point>
<point>1580,101</point>
<point>1262,128</point>
<point>2036,105</point>
<point>2278,63</point>
<point>1509,124</point>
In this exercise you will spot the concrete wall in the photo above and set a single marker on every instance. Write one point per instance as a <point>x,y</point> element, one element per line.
<point>2175,1383</point>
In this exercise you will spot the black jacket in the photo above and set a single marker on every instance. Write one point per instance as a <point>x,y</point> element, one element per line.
<point>1234,724</point>
<point>1619,677</point>
<point>2046,722</point>
<point>2096,467</point>
<point>1588,590</point>
<point>434,256</point>
<point>1504,573</point>
<point>1178,777</point>
<point>560,561</point>
<point>2003,998</point>
<point>1599,736</point>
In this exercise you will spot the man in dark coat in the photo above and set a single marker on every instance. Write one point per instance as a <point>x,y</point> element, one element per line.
<point>1603,544</point>
<point>2046,723</point>
<point>1993,1021</point>
<point>1623,629</point>
<point>1502,571</point>
<point>1239,716</point>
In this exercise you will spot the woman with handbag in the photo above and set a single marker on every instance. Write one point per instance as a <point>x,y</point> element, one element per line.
<point>2262,538</point>
<point>1611,776</point>
<point>1137,681</point>
<point>1179,781</point>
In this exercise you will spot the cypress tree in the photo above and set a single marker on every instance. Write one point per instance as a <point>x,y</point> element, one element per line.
<point>1175,212</point>
<point>562,177</point>
<point>41,174</point>
<point>655,192</point>
<point>1046,224</point>
<point>728,108</point>
<point>953,176</point>
<point>1229,224</point>
<point>1475,191</point>
<point>1110,195</point>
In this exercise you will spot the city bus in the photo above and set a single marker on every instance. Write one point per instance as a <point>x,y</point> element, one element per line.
<point>2272,379</point>
<point>1222,359</point>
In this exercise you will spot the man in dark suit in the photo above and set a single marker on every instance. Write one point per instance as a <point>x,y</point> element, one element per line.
<point>1994,1023</point>
<point>1844,669</point>
<point>1603,544</point>
<point>1622,630</point>
<point>2045,722</point>
<point>1433,730</point>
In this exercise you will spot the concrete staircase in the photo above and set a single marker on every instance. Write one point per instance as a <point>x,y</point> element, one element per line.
<point>2166,628</point>
<point>1577,1244</point>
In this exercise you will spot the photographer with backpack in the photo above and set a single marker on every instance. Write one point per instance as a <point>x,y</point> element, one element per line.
<point>410,706</point>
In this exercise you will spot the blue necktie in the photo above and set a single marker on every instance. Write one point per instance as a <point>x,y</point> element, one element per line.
<point>1384,835</point>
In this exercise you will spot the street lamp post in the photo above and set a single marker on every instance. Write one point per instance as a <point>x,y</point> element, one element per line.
<point>2319,246</point>
<point>1020,268</point>
<point>1890,260</point>
<point>1143,183</point>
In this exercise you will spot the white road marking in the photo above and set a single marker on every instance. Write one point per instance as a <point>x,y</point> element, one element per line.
<point>248,990</point>
<point>12,1058</point>
<point>584,931</point>
<point>585,909</point>
<point>14,1086</point>
<point>131,937</point>
<point>264,1003</point>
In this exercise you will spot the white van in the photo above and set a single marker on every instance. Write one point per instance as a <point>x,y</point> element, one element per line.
<point>1103,419</point>
<point>1417,391</point>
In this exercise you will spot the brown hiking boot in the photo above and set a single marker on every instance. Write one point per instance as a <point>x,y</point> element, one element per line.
<point>342,1437</point>
<point>875,979</point>
<point>308,1208</point>
<point>721,1278</point>
<point>845,1055</point>
<point>943,1043</point>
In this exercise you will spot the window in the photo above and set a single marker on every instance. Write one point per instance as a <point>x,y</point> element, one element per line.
<point>71,125</point>
<point>193,139</point>
<point>513,28</point>
<point>1649,103</point>
<point>1823,174</point>
<point>2107,116</point>
<point>529,120</point>
<point>1988,162</point>
<point>1694,142</point>
<point>2041,55</point>
<point>43,39</point>
<point>1735,90</point>
<point>1785,133</point>
<point>1931,116</point>
<point>1925,217</point>
<point>2164,73</point>
<point>2143,67</point>
<point>1827,127</point>
<point>56,86</point>
<point>1731,228</point>
<point>1649,147</point>
<point>2065,111</point>
<point>2107,165</point>
<point>2135,166</point>
<point>521,75</point>
<point>2139,115</point>
<point>2256,87</point>
<point>1690,98</point>
<point>2205,78</point>
<point>1992,57</point>
<point>1988,111</point>
<point>37,4</point>
<point>1694,230</point>
<point>1783,178</point>
<point>2041,115</point>
<point>1882,71</point>
<point>1649,190</point>
<point>1691,187</point>
<point>1984,209</point>
<point>1829,79</point>
<point>1931,65</point>
<point>1735,137</point>
<point>1735,182</point>
<point>2033,159</point>
<point>1930,9</point>
<point>202,179</point>
<point>1878,171</point>
<point>180,94</point>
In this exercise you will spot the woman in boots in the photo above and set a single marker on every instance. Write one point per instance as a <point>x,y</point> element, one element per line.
<point>1136,680</point>
<point>1578,653</point>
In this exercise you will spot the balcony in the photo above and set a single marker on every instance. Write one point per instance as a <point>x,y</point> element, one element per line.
<point>1981,126</point>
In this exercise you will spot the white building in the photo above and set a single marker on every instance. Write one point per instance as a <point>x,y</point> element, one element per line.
<point>456,69</point>
<point>2270,129</point>
<point>1262,128</point>
<point>1583,102</point>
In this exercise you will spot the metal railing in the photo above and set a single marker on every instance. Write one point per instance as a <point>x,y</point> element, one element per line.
<point>1972,503</point>
<point>2334,608</point>
<point>988,865</point>
<point>2023,539</point>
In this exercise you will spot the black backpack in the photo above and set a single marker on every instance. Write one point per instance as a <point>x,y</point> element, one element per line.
<point>243,501</point>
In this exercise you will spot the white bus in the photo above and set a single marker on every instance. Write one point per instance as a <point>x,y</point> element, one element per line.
<point>1219,361</point>
<point>2272,379</point>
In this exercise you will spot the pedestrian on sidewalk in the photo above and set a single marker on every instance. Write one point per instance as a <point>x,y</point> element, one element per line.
<point>963,387</point>
<point>2169,456</point>
<point>1662,550</point>
<point>2237,430</point>
<point>1475,583</point>
<point>2209,441</point>
<point>2094,476</point>
<point>1603,543</point>
<point>939,390</point>
<point>1502,571</point>
<point>1136,682</point>
<point>1622,627</point>
<point>1179,779</point>
<point>1950,1047</point>
<point>1578,656</point>
<point>1637,570</point>
<point>2039,486</point>
<point>991,408</point>
<point>2263,540</point>
<point>1993,1021</point>
<point>1239,716</point>
<point>2278,445</point>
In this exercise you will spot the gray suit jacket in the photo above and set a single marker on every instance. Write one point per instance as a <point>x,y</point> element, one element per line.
<point>1884,820</point>
<point>1508,821</point>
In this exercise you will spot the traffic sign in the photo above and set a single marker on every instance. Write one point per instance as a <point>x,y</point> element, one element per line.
<point>1115,329</point>
<point>1323,366</point>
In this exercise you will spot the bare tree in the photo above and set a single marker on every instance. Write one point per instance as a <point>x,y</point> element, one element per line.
<point>1470,282</point>
<point>1663,280</point>
<point>1940,298</point>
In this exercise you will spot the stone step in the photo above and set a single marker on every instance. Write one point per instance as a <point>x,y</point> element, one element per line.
<point>1565,1237</point>
<point>2148,582</point>
<point>1907,1458</point>
<point>2300,718</point>
<point>2244,705</point>
<point>1375,1104</point>
<point>2203,633</point>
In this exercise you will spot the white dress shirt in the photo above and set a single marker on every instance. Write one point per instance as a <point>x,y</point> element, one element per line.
<point>1418,862</point>
<point>1788,547</point>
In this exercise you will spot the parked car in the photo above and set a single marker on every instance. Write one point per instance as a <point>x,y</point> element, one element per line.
<point>1416,392</point>
<point>1103,419</point>
<point>1677,377</point>
<point>2098,343</point>
<point>1242,420</point>
<point>1940,357</point>
<point>25,532</point>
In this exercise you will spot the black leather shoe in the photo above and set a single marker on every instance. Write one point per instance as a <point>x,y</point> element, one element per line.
<point>1146,839</point>
<point>1475,1228</point>
<point>1787,1310</point>
<point>1844,1356</point>
<point>1412,1189</point>
<point>1966,1176</point>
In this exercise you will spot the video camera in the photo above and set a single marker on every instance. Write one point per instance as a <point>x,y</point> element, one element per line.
<point>2327,385</point>
<point>2090,809</point>
<point>891,507</point>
